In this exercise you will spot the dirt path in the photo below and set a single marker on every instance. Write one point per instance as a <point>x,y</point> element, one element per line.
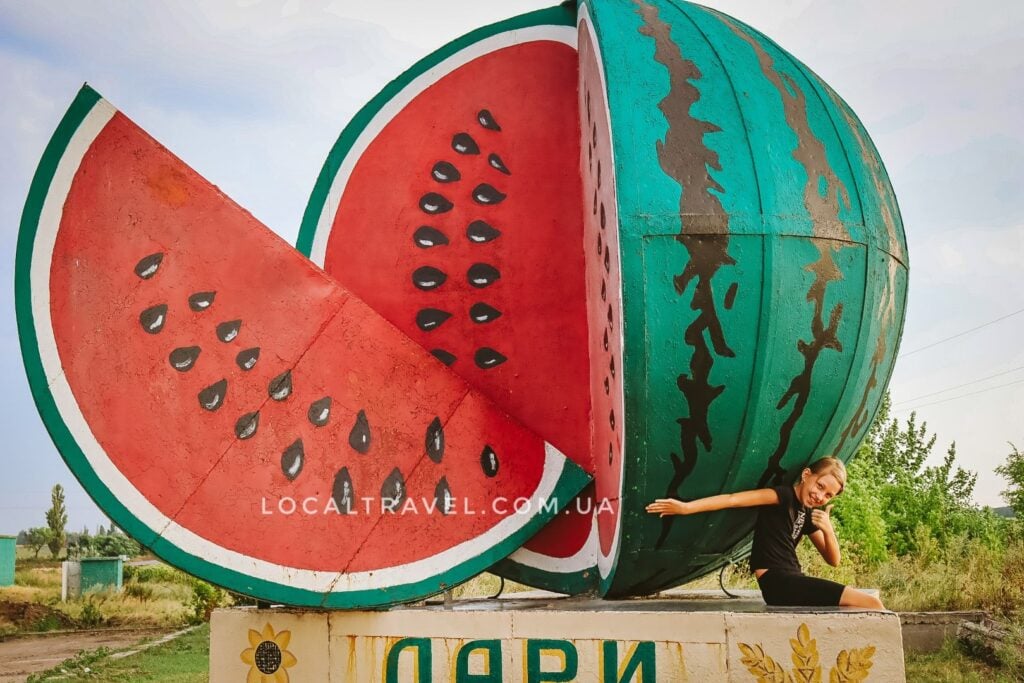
<point>20,657</point>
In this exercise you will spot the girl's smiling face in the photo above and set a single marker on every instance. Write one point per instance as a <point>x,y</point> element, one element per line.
<point>816,490</point>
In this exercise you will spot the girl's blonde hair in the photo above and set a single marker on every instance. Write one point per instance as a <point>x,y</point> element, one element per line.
<point>830,465</point>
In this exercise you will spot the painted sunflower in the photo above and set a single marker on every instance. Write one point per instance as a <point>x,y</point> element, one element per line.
<point>268,657</point>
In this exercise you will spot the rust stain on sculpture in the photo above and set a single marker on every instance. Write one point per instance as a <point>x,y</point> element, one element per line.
<point>830,235</point>
<point>705,235</point>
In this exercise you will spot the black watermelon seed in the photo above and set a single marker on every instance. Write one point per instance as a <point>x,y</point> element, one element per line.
<point>607,386</point>
<point>609,454</point>
<point>320,411</point>
<point>426,237</point>
<point>487,194</point>
<point>428,277</point>
<point>359,437</point>
<point>431,318</point>
<point>481,275</point>
<point>200,301</point>
<point>611,419</point>
<point>183,358</point>
<point>604,291</point>
<point>599,174</point>
<point>483,313</point>
<point>594,134</point>
<point>227,331</point>
<point>611,366</point>
<point>495,161</point>
<point>392,492</point>
<point>246,425</point>
<point>292,460</point>
<point>147,267</point>
<point>445,172</point>
<point>246,359</point>
<point>588,106</point>
<point>212,397</point>
<point>343,492</point>
<point>603,217</point>
<point>445,357</point>
<point>435,440</point>
<point>595,202</point>
<point>486,120</point>
<point>443,499</point>
<point>606,340</point>
<point>464,144</point>
<point>280,387</point>
<point>480,231</point>
<point>486,358</point>
<point>609,314</point>
<point>489,461</point>
<point>600,244</point>
<point>153,318</point>
<point>607,260</point>
<point>433,203</point>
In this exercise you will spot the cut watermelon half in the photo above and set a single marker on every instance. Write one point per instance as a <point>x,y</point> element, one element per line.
<point>236,410</point>
<point>451,204</point>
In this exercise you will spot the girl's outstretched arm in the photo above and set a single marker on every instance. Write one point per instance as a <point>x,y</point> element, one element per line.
<point>742,499</point>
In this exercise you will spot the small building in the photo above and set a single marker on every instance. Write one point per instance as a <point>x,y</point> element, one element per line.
<point>91,573</point>
<point>8,553</point>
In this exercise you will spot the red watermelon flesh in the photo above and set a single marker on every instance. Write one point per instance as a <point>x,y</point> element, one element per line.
<point>460,225</point>
<point>604,285</point>
<point>455,213</point>
<point>220,373</point>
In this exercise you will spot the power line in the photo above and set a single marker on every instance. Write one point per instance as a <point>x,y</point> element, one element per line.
<point>953,398</point>
<point>959,386</point>
<point>960,334</point>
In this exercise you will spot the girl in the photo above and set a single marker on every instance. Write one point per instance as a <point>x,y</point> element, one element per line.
<point>785,514</point>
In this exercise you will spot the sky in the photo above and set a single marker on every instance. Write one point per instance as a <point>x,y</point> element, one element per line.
<point>253,93</point>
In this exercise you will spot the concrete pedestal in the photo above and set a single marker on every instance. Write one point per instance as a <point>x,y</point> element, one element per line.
<point>541,638</point>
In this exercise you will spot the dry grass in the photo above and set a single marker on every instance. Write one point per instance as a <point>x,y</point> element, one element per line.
<point>159,600</point>
<point>966,576</point>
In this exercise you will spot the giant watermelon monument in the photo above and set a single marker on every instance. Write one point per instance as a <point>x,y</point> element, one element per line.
<point>567,264</point>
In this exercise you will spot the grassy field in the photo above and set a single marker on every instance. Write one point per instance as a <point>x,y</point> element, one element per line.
<point>182,660</point>
<point>151,597</point>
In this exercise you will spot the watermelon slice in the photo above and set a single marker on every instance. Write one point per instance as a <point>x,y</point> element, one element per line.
<point>239,412</point>
<point>451,205</point>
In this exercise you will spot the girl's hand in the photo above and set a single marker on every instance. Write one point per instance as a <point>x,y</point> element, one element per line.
<point>821,519</point>
<point>669,506</point>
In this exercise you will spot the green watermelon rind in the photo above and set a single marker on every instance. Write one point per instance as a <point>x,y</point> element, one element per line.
<point>563,582</point>
<point>571,479</point>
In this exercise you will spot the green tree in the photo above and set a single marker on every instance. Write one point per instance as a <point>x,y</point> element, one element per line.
<point>1013,472</point>
<point>56,520</point>
<point>916,504</point>
<point>36,538</point>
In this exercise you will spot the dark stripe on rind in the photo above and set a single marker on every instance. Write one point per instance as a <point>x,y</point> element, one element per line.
<point>705,235</point>
<point>829,235</point>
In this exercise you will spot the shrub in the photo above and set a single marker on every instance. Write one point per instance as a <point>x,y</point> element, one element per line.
<point>205,598</point>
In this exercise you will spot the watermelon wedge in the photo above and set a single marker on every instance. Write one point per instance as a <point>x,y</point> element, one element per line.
<point>451,204</point>
<point>238,411</point>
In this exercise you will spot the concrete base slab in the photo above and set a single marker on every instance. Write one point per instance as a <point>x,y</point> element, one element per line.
<point>549,638</point>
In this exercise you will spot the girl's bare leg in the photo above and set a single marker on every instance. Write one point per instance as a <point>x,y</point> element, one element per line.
<point>852,597</point>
